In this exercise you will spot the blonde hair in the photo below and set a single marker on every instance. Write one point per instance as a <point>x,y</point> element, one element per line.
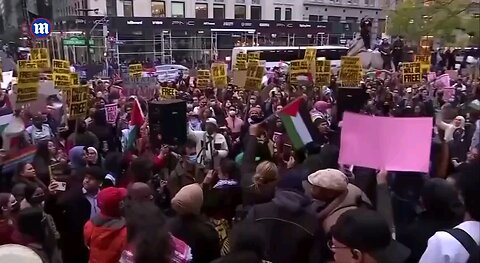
<point>265,173</point>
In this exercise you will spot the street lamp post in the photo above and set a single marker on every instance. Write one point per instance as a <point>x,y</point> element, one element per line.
<point>88,32</point>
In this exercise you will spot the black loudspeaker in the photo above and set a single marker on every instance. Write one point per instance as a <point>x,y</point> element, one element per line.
<point>169,119</point>
<point>351,100</point>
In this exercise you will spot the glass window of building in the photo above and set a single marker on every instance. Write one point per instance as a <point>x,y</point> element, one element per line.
<point>158,8</point>
<point>240,12</point>
<point>127,8</point>
<point>278,14</point>
<point>201,10</point>
<point>256,12</point>
<point>111,7</point>
<point>288,14</point>
<point>219,11</point>
<point>178,9</point>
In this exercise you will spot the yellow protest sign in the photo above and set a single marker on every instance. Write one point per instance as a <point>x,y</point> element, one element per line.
<point>254,77</point>
<point>168,93</point>
<point>74,79</point>
<point>219,75</point>
<point>79,99</point>
<point>350,71</point>
<point>425,63</point>
<point>253,56</point>
<point>60,66</point>
<point>323,73</point>
<point>241,61</point>
<point>27,83</point>
<point>310,54</point>
<point>41,56</point>
<point>203,78</point>
<point>135,70</point>
<point>411,73</point>
<point>26,65</point>
<point>61,81</point>
<point>323,66</point>
<point>298,68</point>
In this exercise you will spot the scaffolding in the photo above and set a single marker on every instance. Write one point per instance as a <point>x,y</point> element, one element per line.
<point>321,39</point>
<point>165,53</point>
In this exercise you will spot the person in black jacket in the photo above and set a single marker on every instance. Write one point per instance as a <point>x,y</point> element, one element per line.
<point>189,226</point>
<point>292,229</point>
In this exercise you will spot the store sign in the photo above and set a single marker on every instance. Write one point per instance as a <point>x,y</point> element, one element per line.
<point>131,22</point>
<point>76,41</point>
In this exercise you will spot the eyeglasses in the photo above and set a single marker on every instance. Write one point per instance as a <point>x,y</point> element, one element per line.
<point>333,247</point>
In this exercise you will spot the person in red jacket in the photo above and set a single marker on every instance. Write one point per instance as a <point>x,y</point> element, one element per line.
<point>106,233</point>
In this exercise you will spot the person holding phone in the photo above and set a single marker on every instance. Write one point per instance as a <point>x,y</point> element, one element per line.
<point>211,145</point>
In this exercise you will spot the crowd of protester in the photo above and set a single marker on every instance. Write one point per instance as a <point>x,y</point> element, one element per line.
<point>251,197</point>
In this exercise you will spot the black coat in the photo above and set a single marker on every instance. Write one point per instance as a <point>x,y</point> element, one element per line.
<point>293,232</point>
<point>199,234</point>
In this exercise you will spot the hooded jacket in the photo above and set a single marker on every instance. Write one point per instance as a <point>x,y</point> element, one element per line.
<point>75,155</point>
<point>106,238</point>
<point>290,226</point>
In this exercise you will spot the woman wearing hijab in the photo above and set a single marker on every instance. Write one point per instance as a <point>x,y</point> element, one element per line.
<point>76,157</point>
<point>442,210</point>
<point>92,157</point>
<point>457,125</point>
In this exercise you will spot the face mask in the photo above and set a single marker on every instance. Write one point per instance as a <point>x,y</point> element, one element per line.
<point>191,159</point>
<point>35,200</point>
<point>252,102</point>
<point>231,113</point>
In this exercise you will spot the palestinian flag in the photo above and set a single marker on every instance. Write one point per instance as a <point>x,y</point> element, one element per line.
<point>137,119</point>
<point>298,123</point>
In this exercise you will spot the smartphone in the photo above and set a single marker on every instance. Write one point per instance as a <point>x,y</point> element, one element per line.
<point>59,186</point>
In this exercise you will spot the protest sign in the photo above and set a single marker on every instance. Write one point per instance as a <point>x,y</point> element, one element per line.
<point>350,71</point>
<point>411,73</point>
<point>79,100</point>
<point>448,93</point>
<point>135,70</point>
<point>310,54</point>
<point>168,93</point>
<point>111,111</point>
<point>27,82</point>
<point>424,63</point>
<point>367,141</point>
<point>203,78</point>
<point>25,65</point>
<point>253,56</point>
<point>61,81</point>
<point>323,73</point>
<point>241,61</point>
<point>61,66</point>
<point>219,75</point>
<point>41,56</point>
<point>74,79</point>
<point>431,76</point>
<point>254,77</point>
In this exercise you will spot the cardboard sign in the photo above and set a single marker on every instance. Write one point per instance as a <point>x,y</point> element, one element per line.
<point>135,70</point>
<point>323,66</point>
<point>203,78</point>
<point>168,93</point>
<point>111,112</point>
<point>322,78</point>
<point>74,79</point>
<point>61,81</point>
<point>253,56</point>
<point>310,54</point>
<point>27,82</point>
<point>79,99</point>
<point>411,73</point>
<point>41,57</point>
<point>61,66</point>
<point>219,75</point>
<point>350,71</point>
<point>241,61</point>
<point>424,63</point>
<point>25,65</point>
<point>254,77</point>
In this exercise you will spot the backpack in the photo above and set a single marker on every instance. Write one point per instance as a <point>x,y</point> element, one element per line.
<point>467,242</point>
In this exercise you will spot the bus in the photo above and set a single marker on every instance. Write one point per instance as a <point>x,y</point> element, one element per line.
<point>273,56</point>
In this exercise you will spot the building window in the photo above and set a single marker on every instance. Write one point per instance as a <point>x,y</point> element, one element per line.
<point>158,8</point>
<point>315,18</point>
<point>288,14</point>
<point>240,12</point>
<point>178,9</point>
<point>256,2</point>
<point>127,8</point>
<point>219,11</point>
<point>255,12</point>
<point>278,14</point>
<point>201,10</point>
<point>111,7</point>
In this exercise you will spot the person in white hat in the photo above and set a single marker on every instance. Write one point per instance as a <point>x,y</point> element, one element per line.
<point>211,146</point>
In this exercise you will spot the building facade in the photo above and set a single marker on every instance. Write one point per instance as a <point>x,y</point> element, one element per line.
<point>189,31</point>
